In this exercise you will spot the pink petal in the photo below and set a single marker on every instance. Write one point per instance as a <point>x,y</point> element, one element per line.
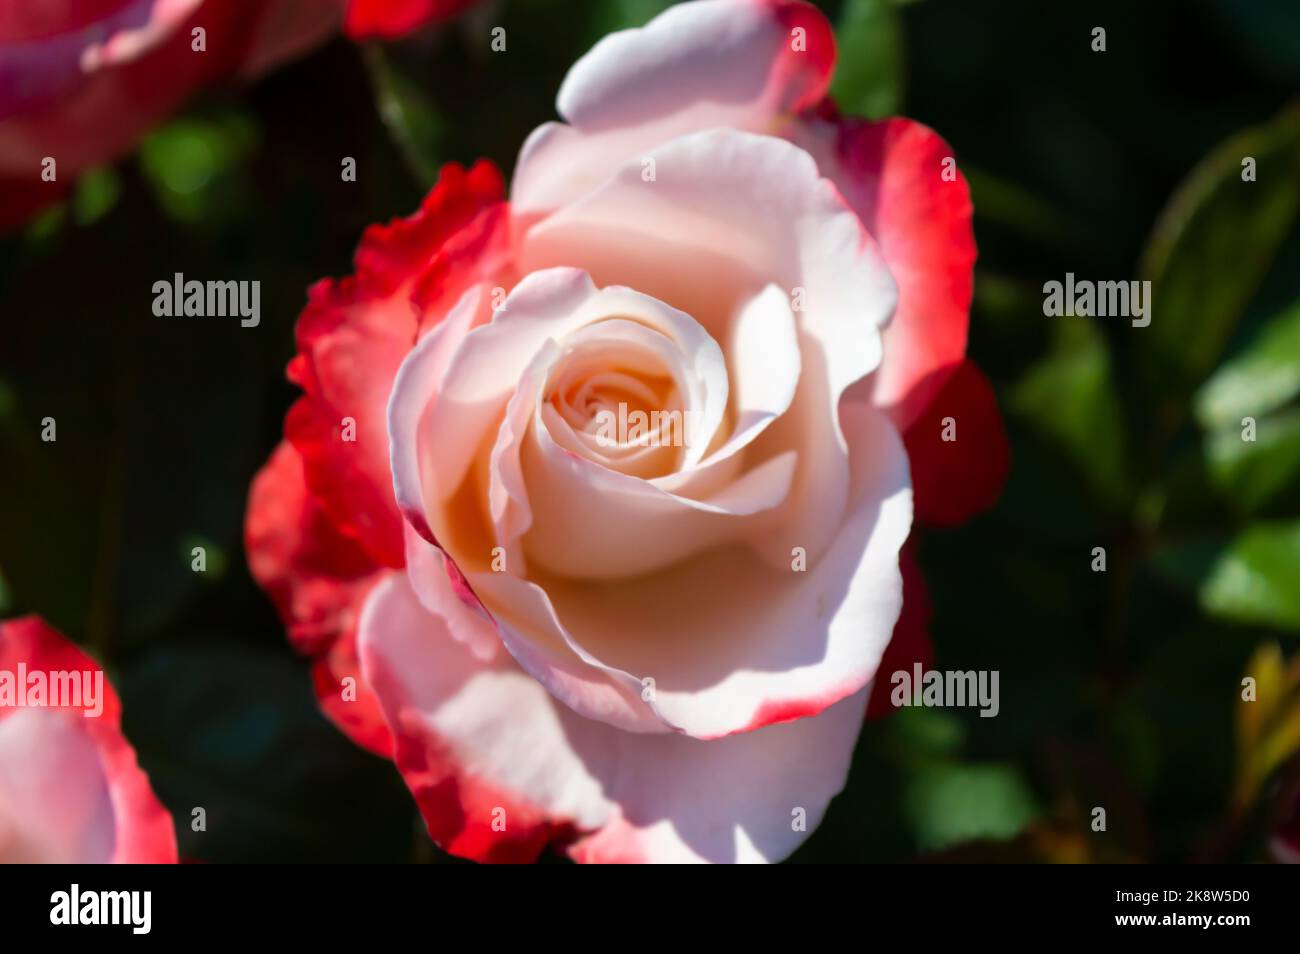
<point>70,787</point>
<point>892,174</point>
<point>711,64</point>
<point>481,743</point>
<point>725,642</point>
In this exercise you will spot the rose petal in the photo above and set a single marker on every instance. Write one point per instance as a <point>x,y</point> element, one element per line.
<point>727,643</point>
<point>729,214</point>
<point>467,401</point>
<point>443,409</point>
<point>411,401</point>
<point>710,64</point>
<point>70,787</point>
<point>47,50</point>
<point>55,804</point>
<point>313,574</point>
<point>473,737</point>
<point>575,515</point>
<point>892,173</point>
<point>430,572</point>
<point>743,799</point>
<point>288,29</point>
<point>353,337</point>
<point>911,641</point>
<point>586,514</point>
<point>954,480</point>
<point>391,19</point>
<point>759,202</point>
<point>480,743</point>
<point>317,578</point>
<point>763,357</point>
<point>81,82</point>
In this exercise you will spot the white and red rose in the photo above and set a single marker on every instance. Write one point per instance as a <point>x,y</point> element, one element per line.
<point>82,80</point>
<point>648,653</point>
<point>70,788</point>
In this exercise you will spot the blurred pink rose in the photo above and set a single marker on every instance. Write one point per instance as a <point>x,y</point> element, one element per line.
<point>82,80</point>
<point>70,788</point>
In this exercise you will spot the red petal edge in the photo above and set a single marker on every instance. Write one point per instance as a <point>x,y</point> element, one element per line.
<point>318,580</point>
<point>352,338</point>
<point>144,833</point>
<point>911,642</point>
<point>953,480</point>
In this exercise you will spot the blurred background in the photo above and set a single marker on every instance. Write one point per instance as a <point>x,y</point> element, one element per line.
<point>1120,689</point>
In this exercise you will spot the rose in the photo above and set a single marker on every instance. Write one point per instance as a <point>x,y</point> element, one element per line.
<point>390,19</point>
<point>498,765</point>
<point>652,653</point>
<point>70,788</point>
<point>80,82</point>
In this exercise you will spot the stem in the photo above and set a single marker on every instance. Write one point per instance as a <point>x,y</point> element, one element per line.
<point>396,115</point>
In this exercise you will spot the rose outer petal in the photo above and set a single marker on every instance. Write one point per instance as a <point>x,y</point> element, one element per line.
<point>352,338</point>
<point>499,768</point>
<point>704,65</point>
<point>318,579</point>
<point>717,658</point>
<point>390,19</point>
<point>893,174</point>
<point>72,780</point>
<point>911,640</point>
<point>954,480</point>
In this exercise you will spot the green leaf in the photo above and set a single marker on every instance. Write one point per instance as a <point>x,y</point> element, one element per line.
<point>1261,378</point>
<point>46,224</point>
<point>1213,245</point>
<point>953,803</point>
<point>1253,579</point>
<point>1254,473</point>
<point>97,193</point>
<point>927,733</point>
<point>1070,399</point>
<point>869,77</point>
<point>193,165</point>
